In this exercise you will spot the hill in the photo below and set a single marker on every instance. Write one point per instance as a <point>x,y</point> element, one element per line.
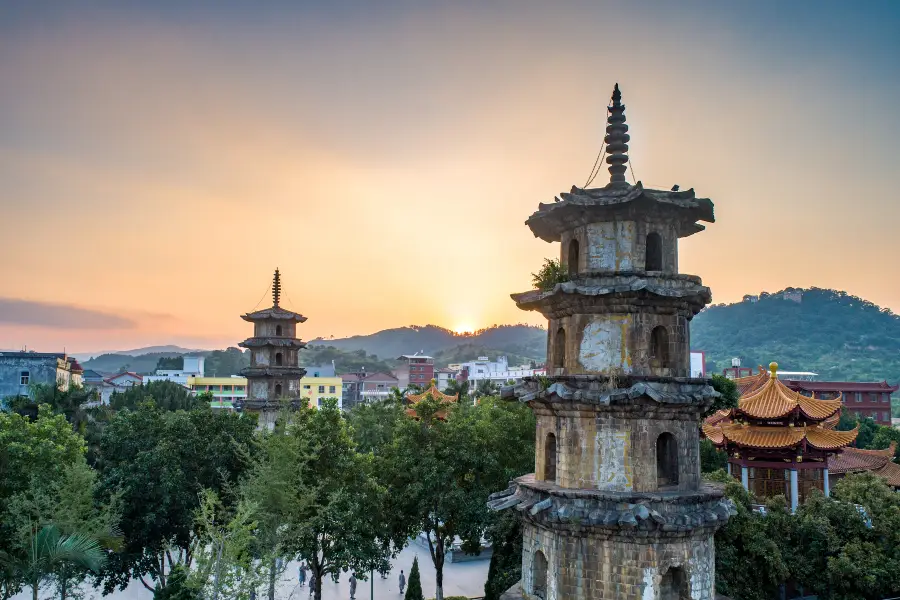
<point>832,333</point>
<point>520,340</point>
<point>115,363</point>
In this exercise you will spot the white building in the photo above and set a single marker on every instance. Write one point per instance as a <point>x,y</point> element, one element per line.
<point>499,372</point>
<point>193,367</point>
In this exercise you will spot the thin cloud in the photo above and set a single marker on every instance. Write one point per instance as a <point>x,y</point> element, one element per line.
<point>59,316</point>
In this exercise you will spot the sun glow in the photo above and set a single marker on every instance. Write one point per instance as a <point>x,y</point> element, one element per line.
<point>464,328</point>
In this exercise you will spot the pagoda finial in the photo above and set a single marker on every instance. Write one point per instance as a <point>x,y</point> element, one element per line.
<point>276,288</point>
<point>773,370</point>
<point>616,139</point>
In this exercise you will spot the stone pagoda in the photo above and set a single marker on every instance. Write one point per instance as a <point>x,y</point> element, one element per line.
<point>616,507</point>
<point>779,441</point>
<point>274,372</point>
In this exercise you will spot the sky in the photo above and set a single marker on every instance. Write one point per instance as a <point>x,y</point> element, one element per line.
<point>158,161</point>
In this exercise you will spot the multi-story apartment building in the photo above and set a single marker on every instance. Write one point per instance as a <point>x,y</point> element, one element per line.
<point>421,369</point>
<point>367,387</point>
<point>225,390</point>
<point>865,399</point>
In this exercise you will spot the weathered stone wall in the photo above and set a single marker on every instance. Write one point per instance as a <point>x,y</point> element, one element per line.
<point>587,567</point>
<point>43,370</point>
<point>621,245</point>
<point>270,327</point>
<point>621,343</point>
<point>608,451</point>
<point>266,356</point>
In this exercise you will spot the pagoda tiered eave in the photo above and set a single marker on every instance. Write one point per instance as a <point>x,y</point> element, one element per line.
<point>274,371</point>
<point>585,206</point>
<point>274,312</point>
<point>608,291</point>
<point>282,342</point>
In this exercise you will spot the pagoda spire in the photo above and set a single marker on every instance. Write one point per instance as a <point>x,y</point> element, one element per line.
<point>276,288</point>
<point>616,139</point>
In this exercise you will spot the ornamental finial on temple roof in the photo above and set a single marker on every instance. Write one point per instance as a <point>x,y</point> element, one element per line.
<point>276,288</point>
<point>616,139</point>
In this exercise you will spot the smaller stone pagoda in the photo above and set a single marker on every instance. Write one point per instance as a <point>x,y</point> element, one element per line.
<point>274,372</point>
<point>779,441</point>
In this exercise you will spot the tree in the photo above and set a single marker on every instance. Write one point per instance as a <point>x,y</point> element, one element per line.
<point>728,395</point>
<point>167,395</point>
<point>160,462</point>
<point>445,462</point>
<point>46,446</point>
<point>372,424</point>
<point>414,585</point>
<point>66,504</point>
<point>457,388</point>
<point>170,363</point>
<point>178,588</point>
<point>48,551</point>
<point>505,535</point>
<point>883,438</point>
<point>225,363</point>
<point>551,273</point>
<point>342,528</point>
<point>486,387</point>
<point>711,458</point>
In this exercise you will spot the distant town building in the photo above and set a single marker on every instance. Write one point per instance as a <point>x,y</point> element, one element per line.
<point>751,298</point>
<point>194,366</point>
<point>274,372</point>
<point>793,295</point>
<point>320,383</point>
<point>107,386</point>
<point>445,375</point>
<point>856,460</point>
<point>862,398</point>
<point>20,370</point>
<point>364,387</point>
<point>227,392</point>
<point>421,369</point>
<point>865,399</point>
<point>498,372</point>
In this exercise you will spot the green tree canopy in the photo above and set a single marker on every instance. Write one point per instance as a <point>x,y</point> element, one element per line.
<point>159,462</point>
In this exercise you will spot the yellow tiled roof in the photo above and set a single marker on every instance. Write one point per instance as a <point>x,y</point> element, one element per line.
<point>774,400</point>
<point>773,437</point>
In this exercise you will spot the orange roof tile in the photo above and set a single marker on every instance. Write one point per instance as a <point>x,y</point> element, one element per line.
<point>855,459</point>
<point>717,417</point>
<point>832,421</point>
<point>774,400</point>
<point>434,393</point>
<point>891,473</point>
<point>754,436</point>
<point>750,383</point>
<point>830,439</point>
<point>771,437</point>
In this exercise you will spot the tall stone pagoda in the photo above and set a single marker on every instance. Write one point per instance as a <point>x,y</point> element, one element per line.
<point>779,441</point>
<point>274,372</point>
<point>616,507</point>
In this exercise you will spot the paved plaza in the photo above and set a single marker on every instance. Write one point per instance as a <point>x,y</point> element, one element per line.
<point>460,579</point>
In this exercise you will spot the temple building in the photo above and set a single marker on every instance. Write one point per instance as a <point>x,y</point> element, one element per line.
<point>435,394</point>
<point>274,372</point>
<point>616,507</point>
<point>779,441</point>
<point>856,460</point>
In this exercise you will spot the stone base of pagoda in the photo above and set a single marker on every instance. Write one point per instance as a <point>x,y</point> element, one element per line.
<point>593,544</point>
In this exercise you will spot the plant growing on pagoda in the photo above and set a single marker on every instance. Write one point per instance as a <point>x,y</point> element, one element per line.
<point>551,273</point>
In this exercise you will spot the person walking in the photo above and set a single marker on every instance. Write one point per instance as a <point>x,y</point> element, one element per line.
<point>302,573</point>
<point>312,586</point>
<point>402,581</point>
<point>352,586</point>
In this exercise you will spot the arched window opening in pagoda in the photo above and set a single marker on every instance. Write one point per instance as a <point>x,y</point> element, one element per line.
<point>277,390</point>
<point>278,330</point>
<point>674,585</point>
<point>278,359</point>
<point>559,350</point>
<point>539,575</point>
<point>666,460</point>
<point>573,257</point>
<point>654,258</point>
<point>659,347</point>
<point>550,458</point>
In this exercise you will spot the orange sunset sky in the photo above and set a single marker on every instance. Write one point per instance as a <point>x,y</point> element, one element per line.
<point>157,162</point>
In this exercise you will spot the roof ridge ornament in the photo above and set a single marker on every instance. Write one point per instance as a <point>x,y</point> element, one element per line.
<point>616,140</point>
<point>276,288</point>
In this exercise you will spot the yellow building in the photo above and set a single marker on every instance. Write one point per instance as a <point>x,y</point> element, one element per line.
<point>226,390</point>
<point>315,389</point>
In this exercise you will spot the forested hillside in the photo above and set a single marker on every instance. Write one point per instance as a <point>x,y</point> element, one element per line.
<point>519,340</point>
<point>832,333</point>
